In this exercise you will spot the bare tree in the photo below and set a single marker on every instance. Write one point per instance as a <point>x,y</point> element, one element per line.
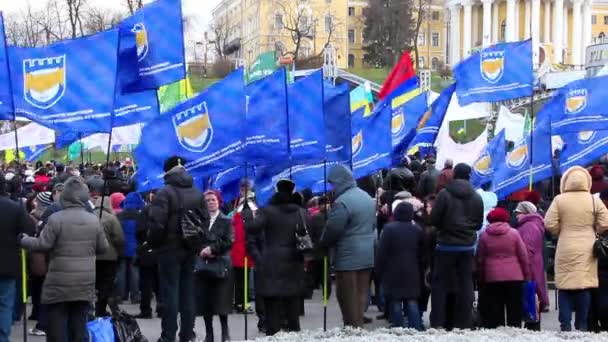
<point>134,5</point>
<point>98,20</point>
<point>53,23</point>
<point>75,8</point>
<point>298,21</point>
<point>220,29</point>
<point>22,29</point>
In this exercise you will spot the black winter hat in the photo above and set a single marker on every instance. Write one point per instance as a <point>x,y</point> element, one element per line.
<point>172,162</point>
<point>285,186</point>
<point>462,171</point>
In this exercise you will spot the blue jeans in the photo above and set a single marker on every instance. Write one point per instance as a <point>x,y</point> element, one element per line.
<point>8,292</point>
<point>414,320</point>
<point>177,291</point>
<point>577,301</point>
<point>127,279</point>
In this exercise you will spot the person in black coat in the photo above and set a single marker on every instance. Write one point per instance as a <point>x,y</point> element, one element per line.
<point>213,288</point>
<point>398,266</point>
<point>280,275</point>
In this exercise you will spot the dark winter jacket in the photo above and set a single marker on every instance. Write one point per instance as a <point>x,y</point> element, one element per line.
<point>428,181</point>
<point>457,214</point>
<point>111,227</point>
<point>129,217</point>
<point>351,224</point>
<point>280,272</point>
<point>15,221</point>
<point>164,232</point>
<point>400,255</point>
<point>72,237</point>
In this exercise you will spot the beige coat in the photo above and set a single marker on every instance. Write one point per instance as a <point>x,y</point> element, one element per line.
<point>570,217</point>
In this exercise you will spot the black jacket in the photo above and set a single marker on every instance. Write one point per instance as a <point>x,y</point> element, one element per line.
<point>280,271</point>
<point>457,214</point>
<point>164,231</point>
<point>428,181</point>
<point>399,264</point>
<point>15,221</point>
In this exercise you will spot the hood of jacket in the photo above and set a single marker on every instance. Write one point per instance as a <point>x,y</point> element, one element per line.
<point>404,212</point>
<point>498,228</point>
<point>341,179</point>
<point>107,204</point>
<point>534,218</point>
<point>179,177</point>
<point>460,188</point>
<point>400,178</point>
<point>575,178</point>
<point>133,201</point>
<point>75,194</point>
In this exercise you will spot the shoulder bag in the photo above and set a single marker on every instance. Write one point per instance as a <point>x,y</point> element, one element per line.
<point>190,223</point>
<point>303,240</point>
<point>600,245</point>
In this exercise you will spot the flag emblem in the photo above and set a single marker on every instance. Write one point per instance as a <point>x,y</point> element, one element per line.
<point>193,128</point>
<point>492,65</point>
<point>141,40</point>
<point>424,119</point>
<point>44,80</point>
<point>482,165</point>
<point>357,143</point>
<point>398,123</point>
<point>518,156</point>
<point>576,100</point>
<point>585,137</point>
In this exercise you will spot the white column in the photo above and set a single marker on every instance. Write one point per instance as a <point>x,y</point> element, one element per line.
<point>527,20</point>
<point>487,23</point>
<point>587,33</point>
<point>475,29</point>
<point>535,17</point>
<point>466,40</point>
<point>577,39</point>
<point>495,23</point>
<point>455,34</point>
<point>445,39</point>
<point>510,21</point>
<point>547,30</point>
<point>558,35</point>
<point>517,31</point>
<point>565,42</point>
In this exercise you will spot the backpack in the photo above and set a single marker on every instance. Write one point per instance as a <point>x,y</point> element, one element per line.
<point>190,223</point>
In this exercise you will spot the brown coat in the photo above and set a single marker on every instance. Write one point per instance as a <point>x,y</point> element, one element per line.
<point>571,218</point>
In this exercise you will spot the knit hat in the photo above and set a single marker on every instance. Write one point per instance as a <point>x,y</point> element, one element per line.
<point>533,197</point>
<point>286,186</point>
<point>525,207</point>
<point>462,171</point>
<point>45,198</point>
<point>116,200</point>
<point>498,215</point>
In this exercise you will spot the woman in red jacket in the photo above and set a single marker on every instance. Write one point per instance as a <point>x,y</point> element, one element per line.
<point>239,249</point>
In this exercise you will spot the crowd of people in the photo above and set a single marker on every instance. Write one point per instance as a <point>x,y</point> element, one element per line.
<point>409,239</point>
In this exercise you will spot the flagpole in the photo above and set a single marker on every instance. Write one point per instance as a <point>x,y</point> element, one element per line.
<point>532,114</point>
<point>325,257</point>
<point>105,179</point>
<point>245,273</point>
<point>81,152</point>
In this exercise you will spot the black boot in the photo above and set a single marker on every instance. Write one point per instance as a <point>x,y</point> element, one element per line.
<point>225,330</point>
<point>208,328</point>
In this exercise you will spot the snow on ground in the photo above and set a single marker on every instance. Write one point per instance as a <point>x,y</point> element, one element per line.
<point>406,335</point>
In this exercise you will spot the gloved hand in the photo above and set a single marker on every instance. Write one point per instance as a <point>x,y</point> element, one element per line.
<point>20,238</point>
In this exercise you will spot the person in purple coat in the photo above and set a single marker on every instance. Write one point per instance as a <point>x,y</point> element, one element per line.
<point>531,228</point>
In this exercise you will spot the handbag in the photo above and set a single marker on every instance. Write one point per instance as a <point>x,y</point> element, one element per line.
<point>217,267</point>
<point>600,245</point>
<point>529,302</point>
<point>303,240</point>
<point>101,330</point>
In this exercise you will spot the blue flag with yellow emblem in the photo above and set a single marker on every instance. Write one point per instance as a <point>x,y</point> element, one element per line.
<point>158,28</point>
<point>31,153</point>
<point>529,160</point>
<point>69,85</point>
<point>6,100</point>
<point>266,128</point>
<point>580,106</point>
<point>306,119</point>
<point>582,148</point>
<point>490,157</point>
<point>371,140</point>
<point>205,130</point>
<point>497,73</point>
<point>430,122</point>
<point>337,122</point>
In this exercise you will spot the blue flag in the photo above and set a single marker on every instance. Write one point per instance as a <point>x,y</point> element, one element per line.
<point>582,148</point>
<point>337,119</point>
<point>160,44</point>
<point>205,130</point>
<point>306,119</point>
<point>580,106</point>
<point>31,153</point>
<point>6,100</point>
<point>131,108</point>
<point>371,140</point>
<point>429,124</point>
<point>488,161</point>
<point>266,128</point>
<point>530,160</point>
<point>69,85</point>
<point>499,72</point>
<point>235,173</point>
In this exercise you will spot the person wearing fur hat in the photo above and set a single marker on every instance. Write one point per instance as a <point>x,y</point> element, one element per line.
<point>280,277</point>
<point>598,181</point>
<point>502,266</point>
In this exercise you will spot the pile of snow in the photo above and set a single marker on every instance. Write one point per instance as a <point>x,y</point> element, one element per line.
<point>406,335</point>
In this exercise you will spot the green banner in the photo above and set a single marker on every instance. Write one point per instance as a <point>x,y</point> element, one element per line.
<point>263,66</point>
<point>172,94</point>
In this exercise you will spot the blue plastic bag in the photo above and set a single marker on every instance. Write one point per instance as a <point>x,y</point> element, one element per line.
<point>529,299</point>
<point>101,330</point>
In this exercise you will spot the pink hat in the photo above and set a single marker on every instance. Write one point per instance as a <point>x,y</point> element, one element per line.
<point>116,199</point>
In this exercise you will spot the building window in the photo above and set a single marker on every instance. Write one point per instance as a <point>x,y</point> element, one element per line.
<point>421,39</point>
<point>606,20</point>
<point>435,39</point>
<point>305,49</point>
<point>594,19</point>
<point>328,23</point>
<point>421,62</point>
<point>303,24</point>
<point>351,60</point>
<point>503,30</point>
<point>351,36</point>
<point>434,63</point>
<point>351,11</point>
<point>364,11</point>
<point>278,21</point>
<point>435,15</point>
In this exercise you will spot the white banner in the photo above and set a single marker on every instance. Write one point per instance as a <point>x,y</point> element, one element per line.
<point>513,124</point>
<point>126,135</point>
<point>447,148</point>
<point>31,134</point>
